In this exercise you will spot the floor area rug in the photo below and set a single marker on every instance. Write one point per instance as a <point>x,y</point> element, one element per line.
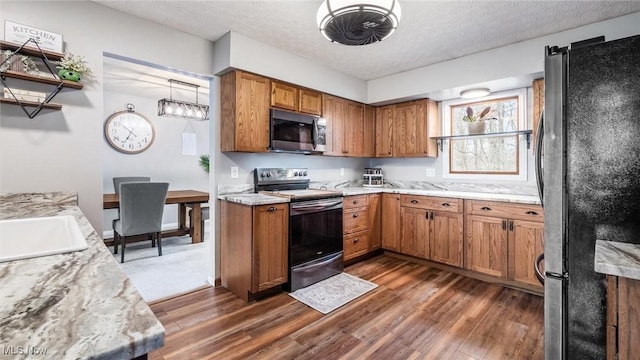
<point>182,267</point>
<point>330,294</point>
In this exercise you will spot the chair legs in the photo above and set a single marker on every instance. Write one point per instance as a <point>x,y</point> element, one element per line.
<point>115,242</point>
<point>123,242</point>
<point>159,239</point>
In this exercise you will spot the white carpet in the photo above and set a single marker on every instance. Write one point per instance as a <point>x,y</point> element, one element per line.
<point>182,267</point>
<point>330,294</point>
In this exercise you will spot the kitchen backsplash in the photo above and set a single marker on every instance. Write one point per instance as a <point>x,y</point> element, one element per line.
<point>401,184</point>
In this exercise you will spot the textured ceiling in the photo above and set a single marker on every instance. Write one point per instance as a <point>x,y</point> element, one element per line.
<point>429,31</point>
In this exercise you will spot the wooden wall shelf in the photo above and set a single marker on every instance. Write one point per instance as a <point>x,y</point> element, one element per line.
<point>53,80</point>
<point>31,51</point>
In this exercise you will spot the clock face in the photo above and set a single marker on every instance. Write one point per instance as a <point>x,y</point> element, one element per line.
<point>129,132</point>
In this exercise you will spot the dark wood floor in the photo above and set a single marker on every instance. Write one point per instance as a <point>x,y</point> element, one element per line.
<point>416,312</point>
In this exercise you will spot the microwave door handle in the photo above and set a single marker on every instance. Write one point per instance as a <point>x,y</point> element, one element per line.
<point>314,133</point>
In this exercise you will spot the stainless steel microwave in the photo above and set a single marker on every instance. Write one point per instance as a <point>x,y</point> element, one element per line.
<point>297,132</point>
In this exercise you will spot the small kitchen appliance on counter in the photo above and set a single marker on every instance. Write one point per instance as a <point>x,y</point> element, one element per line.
<point>315,224</point>
<point>373,177</point>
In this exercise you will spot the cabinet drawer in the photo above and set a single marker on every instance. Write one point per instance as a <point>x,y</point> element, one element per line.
<point>432,203</point>
<point>355,201</point>
<point>505,210</point>
<point>354,220</point>
<point>356,244</point>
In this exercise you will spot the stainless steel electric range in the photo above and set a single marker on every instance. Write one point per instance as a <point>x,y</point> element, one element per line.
<point>315,224</point>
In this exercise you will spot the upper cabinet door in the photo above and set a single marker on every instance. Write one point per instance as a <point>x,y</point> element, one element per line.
<point>369,136</point>
<point>538,105</point>
<point>415,122</point>
<point>333,111</point>
<point>310,102</point>
<point>284,96</point>
<point>244,112</point>
<point>384,130</point>
<point>353,129</point>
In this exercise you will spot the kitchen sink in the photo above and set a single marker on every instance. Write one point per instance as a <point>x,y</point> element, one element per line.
<point>35,237</point>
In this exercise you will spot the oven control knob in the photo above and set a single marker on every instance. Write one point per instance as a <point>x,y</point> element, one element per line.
<point>304,173</point>
<point>295,173</point>
<point>264,174</point>
<point>268,174</point>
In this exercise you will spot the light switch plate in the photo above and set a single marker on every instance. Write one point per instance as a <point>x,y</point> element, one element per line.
<point>341,171</point>
<point>431,172</point>
<point>234,172</point>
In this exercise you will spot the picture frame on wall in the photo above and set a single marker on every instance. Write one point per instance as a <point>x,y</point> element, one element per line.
<point>19,34</point>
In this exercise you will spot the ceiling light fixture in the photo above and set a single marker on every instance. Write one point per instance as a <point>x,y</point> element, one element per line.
<point>178,108</point>
<point>352,22</point>
<point>475,93</point>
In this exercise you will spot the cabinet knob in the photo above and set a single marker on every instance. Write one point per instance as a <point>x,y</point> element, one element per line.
<point>272,208</point>
<point>414,201</point>
<point>445,204</point>
<point>355,215</point>
<point>504,224</point>
<point>485,208</point>
<point>356,240</point>
<point>531,213</point>
<point>356,201</point>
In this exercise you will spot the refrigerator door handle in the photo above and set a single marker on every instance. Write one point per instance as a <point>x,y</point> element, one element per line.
<point>538,157</point>
<point>557,276</point>
<point>536,267</point>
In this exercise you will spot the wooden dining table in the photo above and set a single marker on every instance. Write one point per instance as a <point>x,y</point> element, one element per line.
<point>185,199</point>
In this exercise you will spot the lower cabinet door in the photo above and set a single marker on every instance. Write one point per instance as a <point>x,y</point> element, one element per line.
<point>391,222</point>
<point>446,240</point>
<point>414,238</point>
<point>270,246</point>
<point>486,245</point>
<point>525,243</point>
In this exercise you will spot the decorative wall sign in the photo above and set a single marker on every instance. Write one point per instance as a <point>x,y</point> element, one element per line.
<point>19,34</point>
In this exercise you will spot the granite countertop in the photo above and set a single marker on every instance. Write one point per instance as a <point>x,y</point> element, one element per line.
<point>259,199</point>
<point>77,305</point>
<point>619,259</point>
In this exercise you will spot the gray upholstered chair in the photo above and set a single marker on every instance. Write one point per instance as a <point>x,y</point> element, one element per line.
<point>141,207</point>
<point>116,187</point>
<point>121,179</point>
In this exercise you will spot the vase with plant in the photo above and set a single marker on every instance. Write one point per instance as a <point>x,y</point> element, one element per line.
<point>476,121</point>
<point>73,67</point>
<point>204,162</point>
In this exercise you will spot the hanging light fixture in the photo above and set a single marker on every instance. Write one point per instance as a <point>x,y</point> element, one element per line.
<point>178,108</point>
<point>474,93</point>
<point>353,22</point>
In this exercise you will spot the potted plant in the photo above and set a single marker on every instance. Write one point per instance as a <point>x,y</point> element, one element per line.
<point>204,162</point>
<point>73,67</point>
<point>476,121</point>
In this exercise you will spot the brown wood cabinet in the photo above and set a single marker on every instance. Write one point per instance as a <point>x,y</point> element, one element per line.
<point>244,110</point>
<point>369,131</point>
<point>404,129</point>
<point>253,258</point>
<point>391,222</point>
<point>623,318</point>
<point>360,223</point>
<point>503,239</point>
<point>345,126</point>
<point>538,106</point>
<point>432,228</point>
<point>291,97</point>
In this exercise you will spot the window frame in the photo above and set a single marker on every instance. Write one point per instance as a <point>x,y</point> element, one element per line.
<point>522,164</point>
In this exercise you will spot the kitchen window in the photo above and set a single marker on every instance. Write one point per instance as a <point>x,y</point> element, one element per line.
<point>486,158</point>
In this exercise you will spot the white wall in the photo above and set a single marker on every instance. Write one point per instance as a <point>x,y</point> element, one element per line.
<point>62,150</point>
<point>510,63</point>
<point>240,52</point>
<point>163,160</point>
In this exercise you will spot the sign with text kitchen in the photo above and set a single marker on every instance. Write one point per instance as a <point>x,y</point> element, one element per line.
<point>19,34</point>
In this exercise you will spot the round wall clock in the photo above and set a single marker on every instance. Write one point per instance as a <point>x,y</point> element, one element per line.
<point>129,132</point>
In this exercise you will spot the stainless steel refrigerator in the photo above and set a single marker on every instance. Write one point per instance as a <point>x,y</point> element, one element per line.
<point>591,183</point>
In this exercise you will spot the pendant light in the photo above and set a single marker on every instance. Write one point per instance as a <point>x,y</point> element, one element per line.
<point>178,108</point>
<point>350,22</point>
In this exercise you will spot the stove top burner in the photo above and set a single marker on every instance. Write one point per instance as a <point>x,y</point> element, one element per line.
<point>292,183</point>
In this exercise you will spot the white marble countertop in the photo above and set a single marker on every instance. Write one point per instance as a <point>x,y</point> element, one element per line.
<point>77,305</point>
<point>259,199</point>
<point>619,259</point>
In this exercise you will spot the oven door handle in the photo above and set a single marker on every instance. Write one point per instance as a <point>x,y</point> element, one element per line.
<point>313,265</point>
<point>299,209</point>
